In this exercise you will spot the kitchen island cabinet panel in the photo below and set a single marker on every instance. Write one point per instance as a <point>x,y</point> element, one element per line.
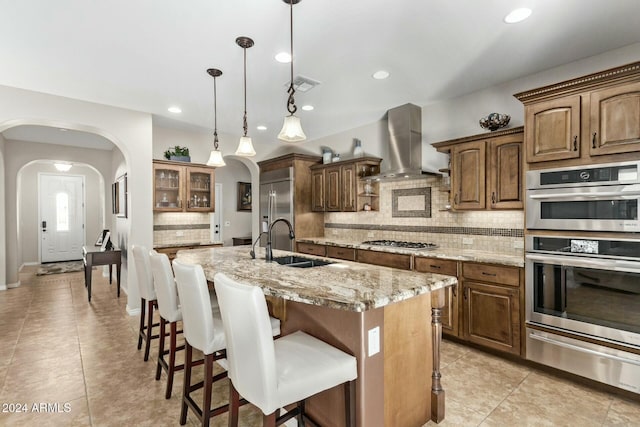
<point>492,316</point>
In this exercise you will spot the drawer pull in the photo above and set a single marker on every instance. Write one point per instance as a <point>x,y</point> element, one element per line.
<point>484,273</point>
<point>437,267</point>
<point>593,141</point>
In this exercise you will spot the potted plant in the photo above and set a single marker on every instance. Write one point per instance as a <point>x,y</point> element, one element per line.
<point>180,154</point>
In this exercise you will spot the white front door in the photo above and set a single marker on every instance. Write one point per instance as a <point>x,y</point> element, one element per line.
<point>61,217</point>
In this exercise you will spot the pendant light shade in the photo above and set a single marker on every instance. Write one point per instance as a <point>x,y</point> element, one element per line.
<point>245,147</point>
<point>292,128</point>
<point>215,159</point>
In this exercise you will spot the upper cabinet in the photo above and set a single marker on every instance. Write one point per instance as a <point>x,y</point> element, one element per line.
<point>179,187</point>
<point>588,120</point>
<point>486,170</point>
<point>344,186</point>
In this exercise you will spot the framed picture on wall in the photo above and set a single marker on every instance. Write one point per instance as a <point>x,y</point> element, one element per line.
<point>244,196</point>
<point>114,198</point>
<point>120,196</point>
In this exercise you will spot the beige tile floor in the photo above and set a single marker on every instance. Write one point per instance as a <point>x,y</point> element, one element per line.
<point>57,349</point>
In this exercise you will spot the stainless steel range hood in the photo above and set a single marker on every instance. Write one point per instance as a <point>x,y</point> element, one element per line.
<point>404,158</point>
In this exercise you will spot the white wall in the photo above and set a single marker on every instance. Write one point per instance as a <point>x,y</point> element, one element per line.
<point>130,131</point>
<point>28,199</point>
<point>3,243</point>
<point>239,221</point>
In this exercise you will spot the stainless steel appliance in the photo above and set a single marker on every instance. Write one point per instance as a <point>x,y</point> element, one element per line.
<point>401,244</point>
<point>583,307</point>
<point>597,198</point>
<point>276,201</point>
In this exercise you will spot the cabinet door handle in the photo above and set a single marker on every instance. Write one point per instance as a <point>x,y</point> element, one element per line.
<point>575,143</point>
<point>493,198</point>
<point>593,140</point>
<point>465,293</point>
<point>455,199</point>
<point>484,273</point>
<point>454,291</point>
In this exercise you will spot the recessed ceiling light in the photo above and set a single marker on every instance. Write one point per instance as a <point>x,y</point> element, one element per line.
<point>283,57</point>
<point>380,75</point>
<point>175,110</point>
<point>307,107</point>
<point>261,127</point>
<point>517,15</point>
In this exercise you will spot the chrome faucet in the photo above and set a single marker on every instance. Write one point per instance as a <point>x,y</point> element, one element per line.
<point>269,254</point>
<point>253,247</point>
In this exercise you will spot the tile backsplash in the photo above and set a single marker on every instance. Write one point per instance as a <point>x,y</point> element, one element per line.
<point>181,227</point>
<point>496,231</point>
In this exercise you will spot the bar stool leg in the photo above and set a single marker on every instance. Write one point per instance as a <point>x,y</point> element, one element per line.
<point>234,405</point>
<point>172,358</point>
<point>208,382</point>
<point>163,334</point>
<point>143,306</point>
<point>188,364</point>
<point>149,329</point>
<point>269,420</point>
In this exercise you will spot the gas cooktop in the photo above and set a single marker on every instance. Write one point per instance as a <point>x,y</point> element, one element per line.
<point>401,244</point>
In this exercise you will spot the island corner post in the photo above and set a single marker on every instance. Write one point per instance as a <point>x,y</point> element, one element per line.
<point>437,392</point>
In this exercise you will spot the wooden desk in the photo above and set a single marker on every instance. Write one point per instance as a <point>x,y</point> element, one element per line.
<point>96,256</point>
<point>238,241</point>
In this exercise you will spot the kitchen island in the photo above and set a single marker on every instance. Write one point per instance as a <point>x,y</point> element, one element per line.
<point>388,318</point>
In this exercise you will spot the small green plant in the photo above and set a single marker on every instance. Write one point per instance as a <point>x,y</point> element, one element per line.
<point>176,151</point>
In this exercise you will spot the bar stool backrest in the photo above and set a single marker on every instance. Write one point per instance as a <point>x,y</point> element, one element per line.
<point>165,285</point>
<point>143,272</point>
<point>250,348</point>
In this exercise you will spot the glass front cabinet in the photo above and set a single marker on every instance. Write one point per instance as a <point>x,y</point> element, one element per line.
<point>181,188</point>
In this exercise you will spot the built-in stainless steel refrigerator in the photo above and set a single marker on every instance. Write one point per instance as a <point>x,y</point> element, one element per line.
<point>276,201</point>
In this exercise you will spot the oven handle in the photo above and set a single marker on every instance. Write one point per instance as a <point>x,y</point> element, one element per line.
<point>603,264</point>
<point>583,349</point>
<point>619,192</point>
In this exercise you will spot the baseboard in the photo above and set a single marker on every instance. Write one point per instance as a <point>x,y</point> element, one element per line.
<point>13,285</point>
<point>24,264</point>
<point>3,287</point>
<point>133,311</point>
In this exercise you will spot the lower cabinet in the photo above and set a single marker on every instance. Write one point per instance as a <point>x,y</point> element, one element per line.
<point>450,312</point>
<point>491,314</point>
<point>311,248</point>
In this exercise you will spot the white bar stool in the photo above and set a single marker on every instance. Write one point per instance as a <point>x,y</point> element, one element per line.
<point>148,299</point>
<point>274,373</point>
<point>170,313</point>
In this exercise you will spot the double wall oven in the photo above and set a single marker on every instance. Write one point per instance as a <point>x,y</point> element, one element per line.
<point>583,289</point>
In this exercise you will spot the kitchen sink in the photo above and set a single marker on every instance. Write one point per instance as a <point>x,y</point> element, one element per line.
<point>300,262</point>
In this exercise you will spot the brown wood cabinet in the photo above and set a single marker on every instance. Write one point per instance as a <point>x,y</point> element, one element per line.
<point>386,259</point>
<point>311,248</point>
<point>486,170</point>
<point>341,253</point>
<point>450,311</point>
<point>491,306</point>
<point>340,186</point>
<point>180,187</point>
<point>588,120</point>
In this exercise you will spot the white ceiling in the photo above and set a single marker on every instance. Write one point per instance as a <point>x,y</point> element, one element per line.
<point>147,55</point>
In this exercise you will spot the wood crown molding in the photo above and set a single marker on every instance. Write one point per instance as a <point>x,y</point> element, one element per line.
<point>622,74</point>
<point>444,146</point>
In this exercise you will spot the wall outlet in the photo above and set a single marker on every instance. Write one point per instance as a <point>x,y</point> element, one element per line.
<point>467,241</point>
<point>179,233</point>
<point>518,244</point>
<point>373,341</point>
<point>227,223</point>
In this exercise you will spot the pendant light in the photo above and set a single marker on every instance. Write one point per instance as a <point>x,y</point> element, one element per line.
<point>215,159</point>
<point>245,147</point>
<point>291,129</point>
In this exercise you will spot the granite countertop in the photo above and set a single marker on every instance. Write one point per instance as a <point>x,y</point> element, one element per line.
<point>343,285</point>
<point>444,253</point>
<point>181,244</point>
